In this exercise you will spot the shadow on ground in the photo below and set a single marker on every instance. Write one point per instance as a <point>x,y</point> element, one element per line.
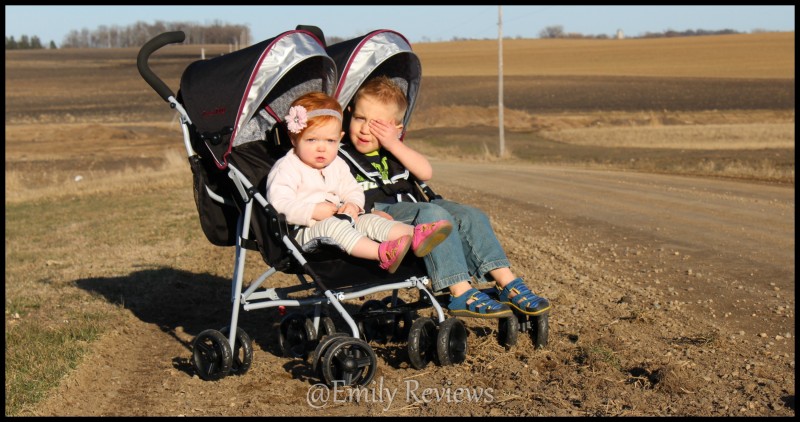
<point>171,298</point>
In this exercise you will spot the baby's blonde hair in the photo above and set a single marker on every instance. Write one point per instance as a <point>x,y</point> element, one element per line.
<point>316,101</point>
<point>385,91</point>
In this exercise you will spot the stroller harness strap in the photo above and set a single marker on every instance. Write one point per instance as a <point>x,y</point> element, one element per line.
<point>402,186</point>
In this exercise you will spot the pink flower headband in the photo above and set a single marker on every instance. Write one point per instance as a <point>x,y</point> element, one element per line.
<point>297,119</point>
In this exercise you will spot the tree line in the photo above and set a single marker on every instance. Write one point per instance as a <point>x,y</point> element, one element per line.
<point>137,34</point>
<point>26,43</point>
<point>557,31</point>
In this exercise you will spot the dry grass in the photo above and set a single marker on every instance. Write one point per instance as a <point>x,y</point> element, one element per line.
<point>59,184</point>
<point>721,137</point>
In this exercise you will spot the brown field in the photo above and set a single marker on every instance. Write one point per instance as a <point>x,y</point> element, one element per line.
<point>122,247</point>
<point>763,56</point>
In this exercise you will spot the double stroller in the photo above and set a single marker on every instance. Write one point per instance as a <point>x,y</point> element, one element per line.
<point>231,113</point>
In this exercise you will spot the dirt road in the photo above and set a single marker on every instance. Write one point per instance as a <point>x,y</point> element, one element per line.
<point>742,231</point>
<point>671,296</point>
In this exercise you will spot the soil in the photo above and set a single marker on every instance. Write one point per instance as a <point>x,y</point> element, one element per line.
<point>671,295</point>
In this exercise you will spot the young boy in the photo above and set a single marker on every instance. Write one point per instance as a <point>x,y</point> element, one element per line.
<point>375,149</point>
<point>311,185</point>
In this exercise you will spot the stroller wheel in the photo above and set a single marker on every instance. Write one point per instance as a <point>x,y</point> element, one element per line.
<point>451,342</point>
<point>421,342</point>
<point>319,352</point>
<point>508,331</point>
<point>211,355</point>
<point>539,330</point>
<point>296,335</point>
<point>374,321</point>
<point>242,351</point>
<point>326,327</point>
<point>349,362</point>
<point>402,321</point>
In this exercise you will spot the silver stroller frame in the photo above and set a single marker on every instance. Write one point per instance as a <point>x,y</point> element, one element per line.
<point>216,355</point>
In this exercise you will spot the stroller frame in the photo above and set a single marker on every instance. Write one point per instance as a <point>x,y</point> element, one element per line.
<point>217,354</point>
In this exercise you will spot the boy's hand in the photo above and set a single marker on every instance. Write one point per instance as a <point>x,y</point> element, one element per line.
<point>386,134</point>
<point>350,209</point>
<point>324,210</point>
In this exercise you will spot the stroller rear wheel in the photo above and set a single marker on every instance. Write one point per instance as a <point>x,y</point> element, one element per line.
<point>508,331</point>
<point>349,362</point>
<point>421,342</point>
<point>242,351</point>
<point>297,335</point>
<point>211,355</point>
<point>451,342</point>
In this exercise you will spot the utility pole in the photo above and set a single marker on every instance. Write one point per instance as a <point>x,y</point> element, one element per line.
<point>500,121</point>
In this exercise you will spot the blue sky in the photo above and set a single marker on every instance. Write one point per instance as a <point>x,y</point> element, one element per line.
<point>417,23</point>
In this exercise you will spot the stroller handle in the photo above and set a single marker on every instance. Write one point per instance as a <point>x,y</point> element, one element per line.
<point>144,54</point>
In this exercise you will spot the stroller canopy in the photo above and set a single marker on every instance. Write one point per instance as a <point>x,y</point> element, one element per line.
<point>381,52</point>
<point>234,99</point>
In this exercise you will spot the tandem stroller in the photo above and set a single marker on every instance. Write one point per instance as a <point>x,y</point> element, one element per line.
<point>231,110</point>
<point>388,53</point>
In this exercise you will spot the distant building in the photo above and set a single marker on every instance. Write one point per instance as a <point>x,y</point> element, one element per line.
<point>620,34</point>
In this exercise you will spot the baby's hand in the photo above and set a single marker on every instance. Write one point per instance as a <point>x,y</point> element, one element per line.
<point>350,209</point>
<point>323,210</point>
<point>385,133</point>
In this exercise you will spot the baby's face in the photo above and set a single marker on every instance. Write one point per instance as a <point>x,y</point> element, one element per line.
<point>318,146</point>
<point>364,110</point>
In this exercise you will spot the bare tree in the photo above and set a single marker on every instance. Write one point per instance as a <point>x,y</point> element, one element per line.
<point>556,31</point>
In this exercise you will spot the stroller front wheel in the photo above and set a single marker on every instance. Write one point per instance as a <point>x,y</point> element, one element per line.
<point>508,331</point>
<point>349,362</point>
<point>421,342</point>
<point>451,342</point>
<point>242,352</point>
<point>319,352</point>
<point>211,355</point>
<point>540,330</point>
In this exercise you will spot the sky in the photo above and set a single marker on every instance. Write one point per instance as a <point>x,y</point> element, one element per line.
<point>416,23</point>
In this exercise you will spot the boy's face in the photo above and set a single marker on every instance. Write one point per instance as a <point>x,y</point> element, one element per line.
<point>365,109</point>
<point>318,146</point>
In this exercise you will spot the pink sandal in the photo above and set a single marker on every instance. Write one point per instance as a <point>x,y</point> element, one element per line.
<point>429,235</point>
<point>392,252</point>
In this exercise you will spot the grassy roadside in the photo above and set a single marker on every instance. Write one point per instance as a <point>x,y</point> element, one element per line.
<point>53,242</point>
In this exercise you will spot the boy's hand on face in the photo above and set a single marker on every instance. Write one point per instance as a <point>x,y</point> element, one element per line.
<point>387,134</point>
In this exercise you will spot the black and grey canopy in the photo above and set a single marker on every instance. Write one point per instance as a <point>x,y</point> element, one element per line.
<point>235,98</point>
<point>380,52</point>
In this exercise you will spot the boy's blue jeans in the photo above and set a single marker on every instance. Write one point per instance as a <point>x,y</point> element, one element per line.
<point>471,250</point>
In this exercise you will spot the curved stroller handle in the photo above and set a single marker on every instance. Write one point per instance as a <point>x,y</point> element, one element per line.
<point>144,54</point>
